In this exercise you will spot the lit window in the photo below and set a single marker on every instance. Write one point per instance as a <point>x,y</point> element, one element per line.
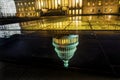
<point>33,8</point>
<point>18,4</point>
<point>19,9</point>
<point>29,3</point>
<point>73,11</point>
<point>88,4</point>
<point>76,11</point>
<point>32,2</point>
<point>21,4</point>
<point>69,11</point>
<point>99,3</point>
<point>59,2</point>
<point>92,10</point>
<point>106,3</point>
<point>110,10</point>
<point>119,1</point>
<point>28,14</point>
<point>22,9</point>
<point>30,8</point>
<point>25,3</point>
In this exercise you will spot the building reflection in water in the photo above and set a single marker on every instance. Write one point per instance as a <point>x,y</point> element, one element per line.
<point>9,29</point>
<point>65,47</point>
<point>106,22</point>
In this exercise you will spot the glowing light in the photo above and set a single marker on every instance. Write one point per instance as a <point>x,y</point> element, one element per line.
<point>73,3</point>
<point>80,11</point>
<point>88,4</point>
<point>29,3</point>
<point>110,10</point>
<point>73,11</point>
<point>53,4</point>
<point>80,3</point>
<point>59,2</point>
<point>25,3</point>
<point>42,3</point>
<point>56,4</point>
<point>77,1</point>
<point>76,11</point>
<point>99,3</point>
<point>66,2</point>
<point>90,17</point>
<point>32,2</point>
<point>69,11</point>
<point>109,17</point>
<point>18,4</point>
<point>49,4</point>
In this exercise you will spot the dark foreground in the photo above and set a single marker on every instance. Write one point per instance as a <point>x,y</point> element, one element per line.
<point>32,57</point>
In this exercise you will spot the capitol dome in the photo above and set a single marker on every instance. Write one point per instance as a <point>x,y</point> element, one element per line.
<point>65,47</point>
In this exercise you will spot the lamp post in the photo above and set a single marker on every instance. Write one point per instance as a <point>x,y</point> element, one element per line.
<point>65,47</point>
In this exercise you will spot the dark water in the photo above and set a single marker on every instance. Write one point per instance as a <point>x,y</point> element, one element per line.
<point>97,51</point>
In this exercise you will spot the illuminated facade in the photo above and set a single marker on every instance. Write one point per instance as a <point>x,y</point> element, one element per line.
<point>101,6</point>
<point>7,8</point>
<point>33,8</point>
<point>26,8</point>
<point>71,7</point>
<point>65,47</point>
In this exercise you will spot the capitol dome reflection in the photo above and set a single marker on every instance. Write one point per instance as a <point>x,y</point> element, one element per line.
<point>65,47</point>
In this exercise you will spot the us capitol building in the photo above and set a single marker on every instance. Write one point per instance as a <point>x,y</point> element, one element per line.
<point>35,8</point>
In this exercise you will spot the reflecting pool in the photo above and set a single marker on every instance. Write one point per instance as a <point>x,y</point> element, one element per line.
<point>89,43</point>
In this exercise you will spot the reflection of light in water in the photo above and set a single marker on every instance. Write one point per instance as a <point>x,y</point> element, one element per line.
<point>10,29</point>
<point>109,17</point>
<point>77,18</point>
<point>90,17</point>
<point>65,47</point>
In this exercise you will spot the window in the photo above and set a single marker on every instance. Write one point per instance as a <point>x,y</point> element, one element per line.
<point>18,4</point>
<point>88,4</point>
<point>99,3</point>
<point>93,4</point>
<point>33,8</point>
<point>21,4</point>
<point>29,3</point>
<point>22,9</point>
<point>25,3</point>
<point>19,9</point>
<point>92,10</point>
<point>110,10</point>
<point>32,2</point>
